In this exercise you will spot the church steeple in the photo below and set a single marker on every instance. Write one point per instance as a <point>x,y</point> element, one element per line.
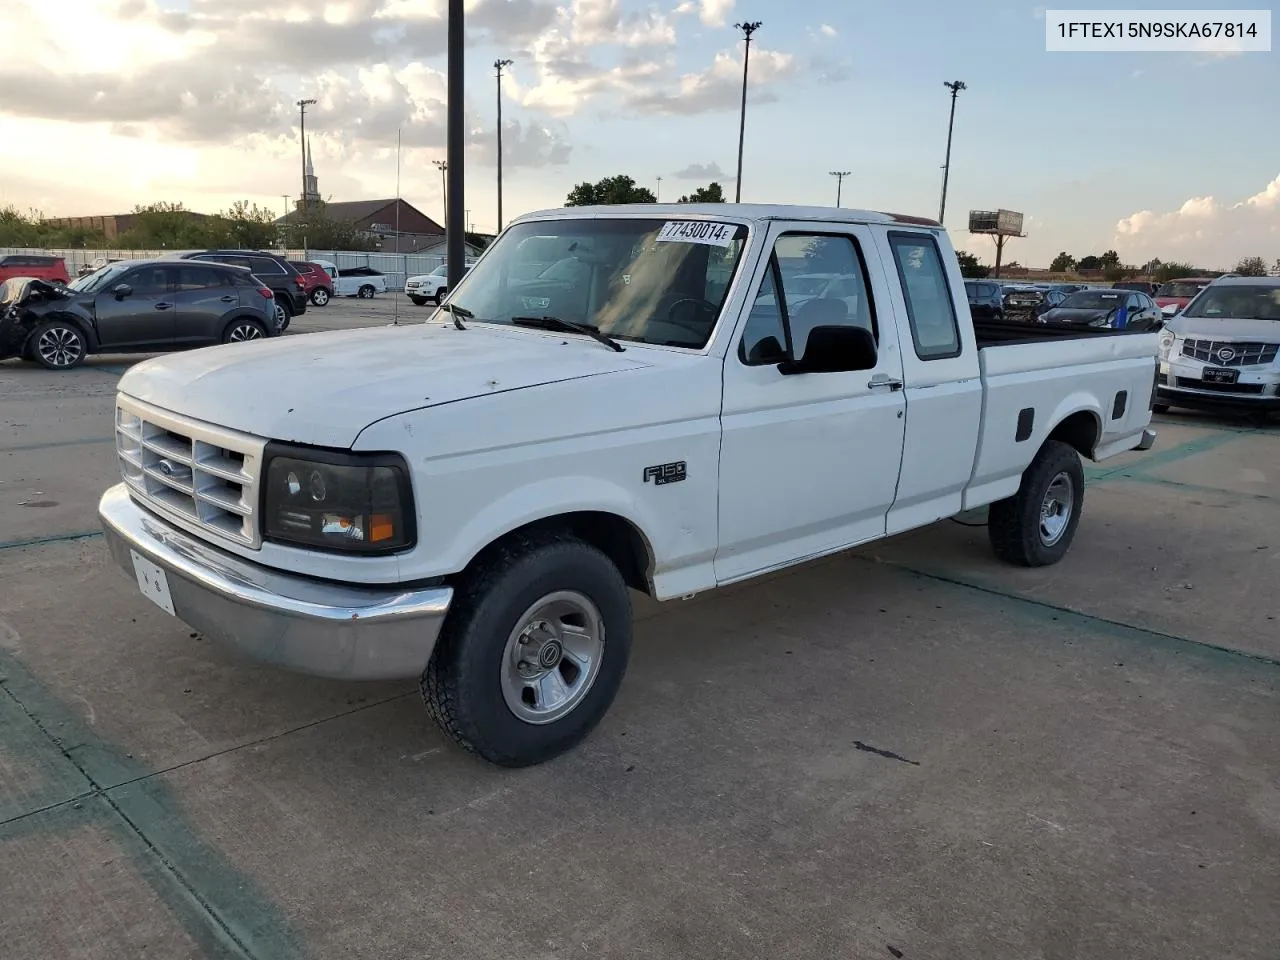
<point>311,182</point>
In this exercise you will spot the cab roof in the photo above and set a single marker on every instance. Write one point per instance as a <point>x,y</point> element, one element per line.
<point>757,212</point>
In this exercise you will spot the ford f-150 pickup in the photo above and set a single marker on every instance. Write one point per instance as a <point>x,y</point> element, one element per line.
<point>468,501</point>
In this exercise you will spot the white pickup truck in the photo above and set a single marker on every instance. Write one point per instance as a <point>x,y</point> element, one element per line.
<point>467,501</point>
<point>362,282</point>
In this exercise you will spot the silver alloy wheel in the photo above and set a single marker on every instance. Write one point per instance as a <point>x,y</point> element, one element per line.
<point>60,347</point>
<point>1055,510</point>
<point>552,657</point>
<point>365,292</point>
<point>244,331</point>
<point>282,316</point>
<point>320,296</point>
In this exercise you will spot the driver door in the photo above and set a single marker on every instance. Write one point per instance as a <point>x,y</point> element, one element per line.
<point>142,318</point>
<point>809,462</point>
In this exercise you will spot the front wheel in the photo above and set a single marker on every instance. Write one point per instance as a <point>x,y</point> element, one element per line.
<point>58,345</point>
<point>365,293</point>
<point>319,296</point>
<point>533,651</point>
<point>1035,526</point>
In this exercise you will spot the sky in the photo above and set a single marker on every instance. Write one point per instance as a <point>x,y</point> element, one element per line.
<point>105,104</point>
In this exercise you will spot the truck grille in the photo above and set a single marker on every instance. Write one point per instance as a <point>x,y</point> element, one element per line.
<point>1238,354</point>
<point>202,476</point>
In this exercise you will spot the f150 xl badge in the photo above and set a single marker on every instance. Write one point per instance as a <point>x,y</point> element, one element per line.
<point>666,473</point>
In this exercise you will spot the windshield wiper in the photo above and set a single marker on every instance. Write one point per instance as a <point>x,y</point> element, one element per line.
<point>458,314</point>
<point>555,323</point>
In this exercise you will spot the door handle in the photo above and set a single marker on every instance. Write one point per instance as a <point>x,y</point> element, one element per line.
<point>228,299</point>
<point>163,306</point>
<point>882,380</point>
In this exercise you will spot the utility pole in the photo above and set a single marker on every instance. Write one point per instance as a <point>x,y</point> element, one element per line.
<point>444,187</point>
<point>748,29</point>
<point>456,137</point>
<point>498,66</point>
<point>302,124</point>
<point>839,175</point>
<point>955,87</point>
<point>658,196</point>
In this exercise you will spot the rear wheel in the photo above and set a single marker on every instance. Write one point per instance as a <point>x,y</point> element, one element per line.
<point>1160,408</point>
<point>319,296</point>
<point>419,301</point>
<point>1035,527</point>
<point>58,345</point>
<point>533,651</point>
<point>241,330</point>
<point>284,312</point>
<point>366,292</point>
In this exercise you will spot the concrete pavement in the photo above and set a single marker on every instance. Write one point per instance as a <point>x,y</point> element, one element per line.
<point>906,751</point>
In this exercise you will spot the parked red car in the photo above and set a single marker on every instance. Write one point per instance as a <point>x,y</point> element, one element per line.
<point>52,269</point>
<point>316,282</point>
<point>1173,296</point>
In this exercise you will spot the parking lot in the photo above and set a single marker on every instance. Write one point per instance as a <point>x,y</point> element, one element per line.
<point>908,750</point>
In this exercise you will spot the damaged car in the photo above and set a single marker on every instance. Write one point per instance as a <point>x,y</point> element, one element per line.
<point>135,306</point>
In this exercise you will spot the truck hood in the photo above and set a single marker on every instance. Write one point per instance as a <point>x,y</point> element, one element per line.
<point>1217,328</point>
<point>324,388</point>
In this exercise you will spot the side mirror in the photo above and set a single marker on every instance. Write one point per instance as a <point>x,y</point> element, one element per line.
<point>122,290</point>
<point>834,349</point>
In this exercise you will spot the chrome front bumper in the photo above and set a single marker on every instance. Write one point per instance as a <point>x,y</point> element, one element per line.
<point>326,629</point>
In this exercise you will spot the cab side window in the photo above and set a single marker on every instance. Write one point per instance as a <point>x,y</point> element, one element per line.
<point>925,289</point>
<point>812,280</point>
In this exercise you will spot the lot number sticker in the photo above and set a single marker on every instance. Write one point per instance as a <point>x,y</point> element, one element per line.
<point>697,231</point>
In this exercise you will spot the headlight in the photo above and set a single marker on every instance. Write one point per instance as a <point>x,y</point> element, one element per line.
<point>1100,322</point>
<point>1166,342</point>
<point>352,503</point>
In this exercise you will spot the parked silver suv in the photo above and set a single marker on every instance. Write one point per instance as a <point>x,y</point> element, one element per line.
<point>1221,350</point>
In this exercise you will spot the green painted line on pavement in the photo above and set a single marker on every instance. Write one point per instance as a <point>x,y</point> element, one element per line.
<point>1158,458</point>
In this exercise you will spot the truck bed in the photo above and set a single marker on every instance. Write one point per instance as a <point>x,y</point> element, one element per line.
<point>992,333</point>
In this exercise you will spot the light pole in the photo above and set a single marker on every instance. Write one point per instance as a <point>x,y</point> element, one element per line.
<point>457,144</point>
<point>748,28</point>
<point>955,87</point>
<point>658,196</point>
<point>839,175</point>
<point>302,124</point>
<point>498,65</point>
<point>444,188</point>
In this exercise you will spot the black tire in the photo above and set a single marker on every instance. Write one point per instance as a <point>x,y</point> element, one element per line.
<point>58,345</point>
<point>1160,408</point>
<point>419,301</point>
<point>1019,532</point>
<point>366,292</point>
<point>238,331</point>
<point>285,308</point>
<point>463,686</point>
<point>320,296</point>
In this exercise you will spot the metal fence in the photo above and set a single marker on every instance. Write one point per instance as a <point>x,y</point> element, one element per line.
<point>397,266</point>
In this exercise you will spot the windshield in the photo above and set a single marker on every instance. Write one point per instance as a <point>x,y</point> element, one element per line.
<point>1092,300</point>
<point>647,280</point>
<point>1237,302</point>
<point>1183,290</point>
<point>96,280</point>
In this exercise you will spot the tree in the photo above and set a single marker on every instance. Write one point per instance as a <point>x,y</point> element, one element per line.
<point>243,227</point>
<point>1063,263</point>
<point>619,189</point>
<point>1275,268</point>
<point>1151,266</point>
<point>970,267</point>
<point>1110,259</point>
<point>711,193</point>
<point>1114,274</point>
<point>1172,271</point>
<point>1090,263</point>
<point>1251,267</point>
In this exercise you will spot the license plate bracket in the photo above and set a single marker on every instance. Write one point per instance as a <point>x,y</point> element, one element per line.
<point>153,582</point>
<point>1219,375</point>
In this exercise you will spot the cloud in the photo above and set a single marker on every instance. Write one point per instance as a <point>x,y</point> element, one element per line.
<point>827,30</point>
<point>713,13</point>
<point>719,87</point>
<point>704,172</point>
<point>1204,230</point>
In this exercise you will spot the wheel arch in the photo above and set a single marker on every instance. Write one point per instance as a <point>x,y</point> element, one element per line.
<point>613,535</point>
<point>243,315</point>
<point>80,323</point>
<point>1080,430</point>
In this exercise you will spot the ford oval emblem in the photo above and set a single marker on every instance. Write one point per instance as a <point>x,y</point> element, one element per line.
<point>167,468</point>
